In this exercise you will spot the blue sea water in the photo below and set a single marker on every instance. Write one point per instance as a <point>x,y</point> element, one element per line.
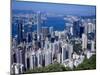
<point>58,23</point>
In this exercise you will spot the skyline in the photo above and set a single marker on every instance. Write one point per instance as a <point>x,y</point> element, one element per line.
<point>68,9</point>
<point>52,37</point>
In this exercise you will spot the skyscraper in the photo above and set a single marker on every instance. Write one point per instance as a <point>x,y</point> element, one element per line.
<point>45,31</point>
<point>51,30</point>
<point>20,28</point>
<point>59,57</point>
<point>29,33</point>
<point>70,51</point>
<point>84,41</point>
<point>81,31</point>
<point>64,53</point>
<point>90,27</point>
<point>92,46</point>
<point>71,30</point>
<point>76,28</point>
<point>85,28</point>
<point>39,58</point>
<point>48,57</point>
<point>38,24</point>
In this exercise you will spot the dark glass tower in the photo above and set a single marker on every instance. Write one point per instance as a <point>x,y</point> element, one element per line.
<point>81,31</point>
<point>20,32</point>
<point>76,28</point>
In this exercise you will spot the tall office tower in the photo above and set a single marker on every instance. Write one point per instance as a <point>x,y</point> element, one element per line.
<point>24,31</point>
<point>51,31</point>
<point>71,29</point>
<point>45,31</point>
<point>47,44</point>
<point>81,31</point>
<point>24,35</point>
<point>51,48</point>
<point>17,57</point>
<point>39,58</point>
<point>85,28</point>
<point>42,41</point>
<point>38,24</point>
<point>23,56</point>
<point>33,61</point>
<point>29,32</point>
<point>42,38</point>
<point>21,60</point>
<point>17,54</point>
<point>34,36</point>
<point>48,57</point>
<point>14,42</point>
<point>56,47</point>
<point>92,46</point>
<point>76,29</point>
<point>94,28</point>
<point>14,55</point>
<point>84,41</point>
<point>30,23</point>
<point>20,33</point>
<point>26,60</point>
<point>70,50</point>
<point>29,37</point>
<point>64,52</point>
<point>90,27</point>
<point>43,56</point>
<point>59,57</point>
<point>32,58</point>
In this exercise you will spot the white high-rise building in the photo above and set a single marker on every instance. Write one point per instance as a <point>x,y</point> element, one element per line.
<point>14,43</point>
<point>47,44</point>
<point>84,41</point>
<point>71,30</point>
<point>48,57</point>
<point>59,57</point>
<point>92,46</point>
<point>20,56</point>
<point>90,27</point>
<point>70,51</point>
<point>32,60</point>
<point>39,58</point>
<point>85,28</point>
<point>55,47</point>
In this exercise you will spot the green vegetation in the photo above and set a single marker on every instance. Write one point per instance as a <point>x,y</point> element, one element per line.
<point>57,67</point>
<point>87,64</point>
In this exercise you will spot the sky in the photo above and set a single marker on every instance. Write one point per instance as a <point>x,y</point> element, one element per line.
<point>83,10</point>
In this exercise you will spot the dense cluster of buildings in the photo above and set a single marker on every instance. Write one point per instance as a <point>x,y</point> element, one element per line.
<point>44,46</point>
